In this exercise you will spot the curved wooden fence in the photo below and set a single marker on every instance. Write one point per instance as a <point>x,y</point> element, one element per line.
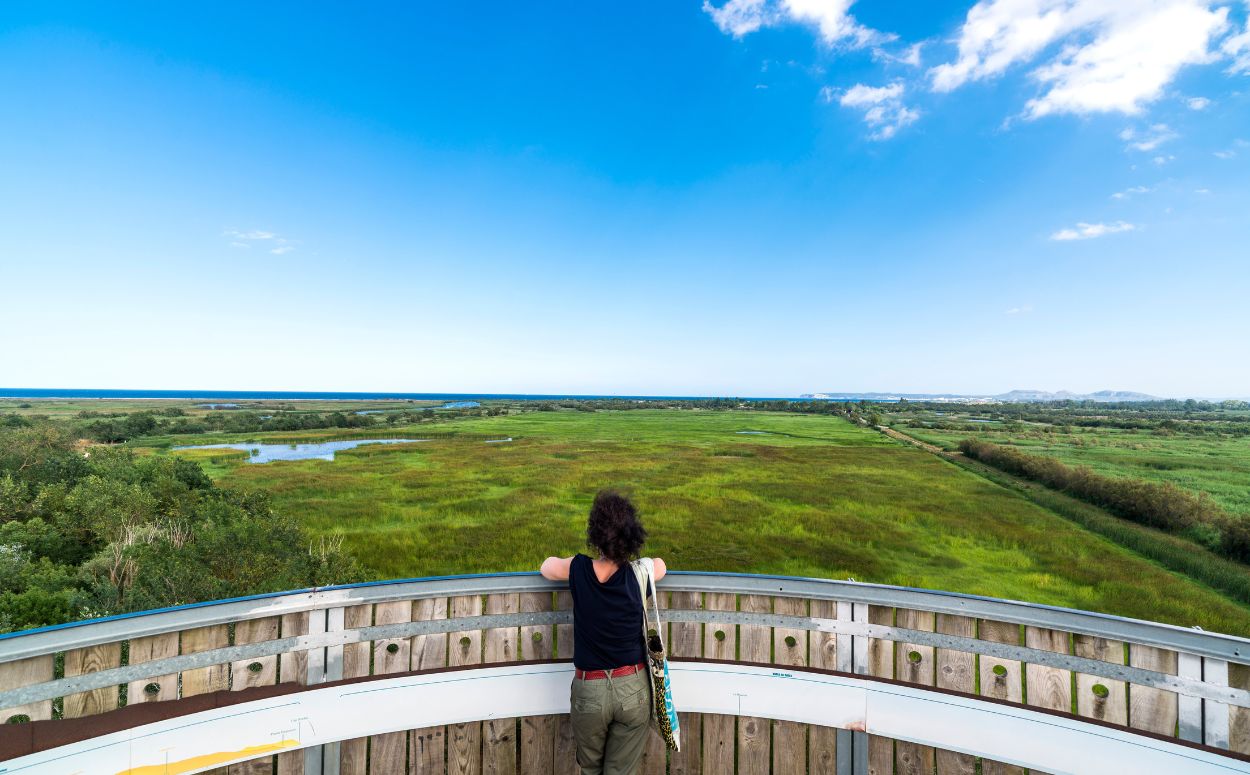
<point>1090,679</point>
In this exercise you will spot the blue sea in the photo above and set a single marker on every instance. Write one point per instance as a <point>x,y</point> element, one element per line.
<point>271,395</point>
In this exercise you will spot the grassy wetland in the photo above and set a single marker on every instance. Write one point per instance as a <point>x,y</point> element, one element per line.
<point>720,489</point>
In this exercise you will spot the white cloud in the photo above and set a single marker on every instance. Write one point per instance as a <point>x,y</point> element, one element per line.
<point>1198,103</point>
<point>1126,193</point>
<point>1116,55</point>
<point>1237,48</point>
<point>1021,310</point>
<point>1202,190</point>
<point>1161,160</point>
<point>884,111</point>
<point>1225,154</point>
<point>1091,230</point>
<point>245,239</point>
<point>1152,138</point>
<point>910,55</point>
<point>255,234</point>
<point>832,18</point>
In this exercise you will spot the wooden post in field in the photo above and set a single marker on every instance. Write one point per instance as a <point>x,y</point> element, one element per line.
<point>789,648</point>
<point>755,645</point>
<point>261,671</point>
<point>464,741</point>
<point>720,641</point>
<point>499,739</point>
<point>427,753</point>
<point>388,753</point>
<point>914,664</point>
<point>354,754</point>
<point>956,670</point>
<point>538,733</point>
<point>1000,679</point>
<point>148,649</point>
<point>1048,687</point>
<point>822,742</point>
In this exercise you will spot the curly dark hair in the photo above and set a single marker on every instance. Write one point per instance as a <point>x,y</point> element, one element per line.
<point>614,528</point>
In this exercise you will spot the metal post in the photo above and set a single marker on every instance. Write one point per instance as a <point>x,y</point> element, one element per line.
<point>859,746</point>
<point>845,656</point>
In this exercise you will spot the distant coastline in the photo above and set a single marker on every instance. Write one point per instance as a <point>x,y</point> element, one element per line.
<point>280,395</point>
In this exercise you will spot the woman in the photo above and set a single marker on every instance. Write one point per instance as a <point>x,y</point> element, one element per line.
<point>611,693</point>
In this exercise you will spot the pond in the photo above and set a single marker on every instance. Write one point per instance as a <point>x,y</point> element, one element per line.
<point>324,450</point>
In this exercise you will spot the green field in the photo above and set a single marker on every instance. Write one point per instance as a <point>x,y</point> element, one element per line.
<point>1216,465</point>
<point>810,495</point>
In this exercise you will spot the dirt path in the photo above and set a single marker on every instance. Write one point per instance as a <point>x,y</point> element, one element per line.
<point>926,446</point>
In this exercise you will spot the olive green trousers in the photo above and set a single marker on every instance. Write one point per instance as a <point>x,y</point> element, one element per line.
<point>611,721</point>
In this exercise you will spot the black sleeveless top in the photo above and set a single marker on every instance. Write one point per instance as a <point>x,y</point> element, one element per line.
<point>607,617</point>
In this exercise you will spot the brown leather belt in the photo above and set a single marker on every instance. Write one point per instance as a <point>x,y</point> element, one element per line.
<point>592,675</point>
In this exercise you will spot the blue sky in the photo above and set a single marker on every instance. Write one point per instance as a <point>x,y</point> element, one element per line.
<point>752,197</point>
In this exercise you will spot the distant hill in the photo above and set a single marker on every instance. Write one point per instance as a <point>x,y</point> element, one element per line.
<point>1018,396</point>
<point>1012,397</point>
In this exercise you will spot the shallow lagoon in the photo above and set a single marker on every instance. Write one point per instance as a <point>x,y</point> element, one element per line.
<point>268,453</point>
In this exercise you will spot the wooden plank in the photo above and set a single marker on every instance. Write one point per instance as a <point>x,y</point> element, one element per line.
<point>789,744</point>
<point>464,741</point>
<point>565,749</point>
<point>754,645</point>
<point>499,737</point>
<point>293,668</point>
<point>388,753</point>
<point>822,742</point>
<point>1150,709</point>
<point>427,754</point>
<point>915,664</point>
<point>956,670</point>
<point>686,640</point>
<point>1239,718</point>
<point>354,754</point>
<point>91,660</point>
<point>25,672</point>
<point>880,663</point>
<point>719,735</point>
<point>262,671</point>
<point>1001,679</point>
<point>155,688</point>
<point>204,680</point>
<point>1100,698</point>
<point>1048,687</point>
<point>654,756</point>
<point>538,733</point>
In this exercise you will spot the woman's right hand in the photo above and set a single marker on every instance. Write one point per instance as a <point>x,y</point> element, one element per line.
<point>660,568</point>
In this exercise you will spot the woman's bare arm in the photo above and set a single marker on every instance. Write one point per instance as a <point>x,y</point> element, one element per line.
<point>556,568</point>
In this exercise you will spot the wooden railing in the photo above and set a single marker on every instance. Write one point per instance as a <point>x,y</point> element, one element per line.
<point>1137,676</point>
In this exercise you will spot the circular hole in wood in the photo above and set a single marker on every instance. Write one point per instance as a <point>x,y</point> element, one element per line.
<point>19,718</point>
<point>1000,671</point>
<point>392,648</point>
<point>791,642</point>
<point>1100,691</point>
<point>914,657</point>
<point>538,636</point>
<point>719,635</point>
<point>152,688</point>
<point>465,641</point>
<point>255,667</point>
